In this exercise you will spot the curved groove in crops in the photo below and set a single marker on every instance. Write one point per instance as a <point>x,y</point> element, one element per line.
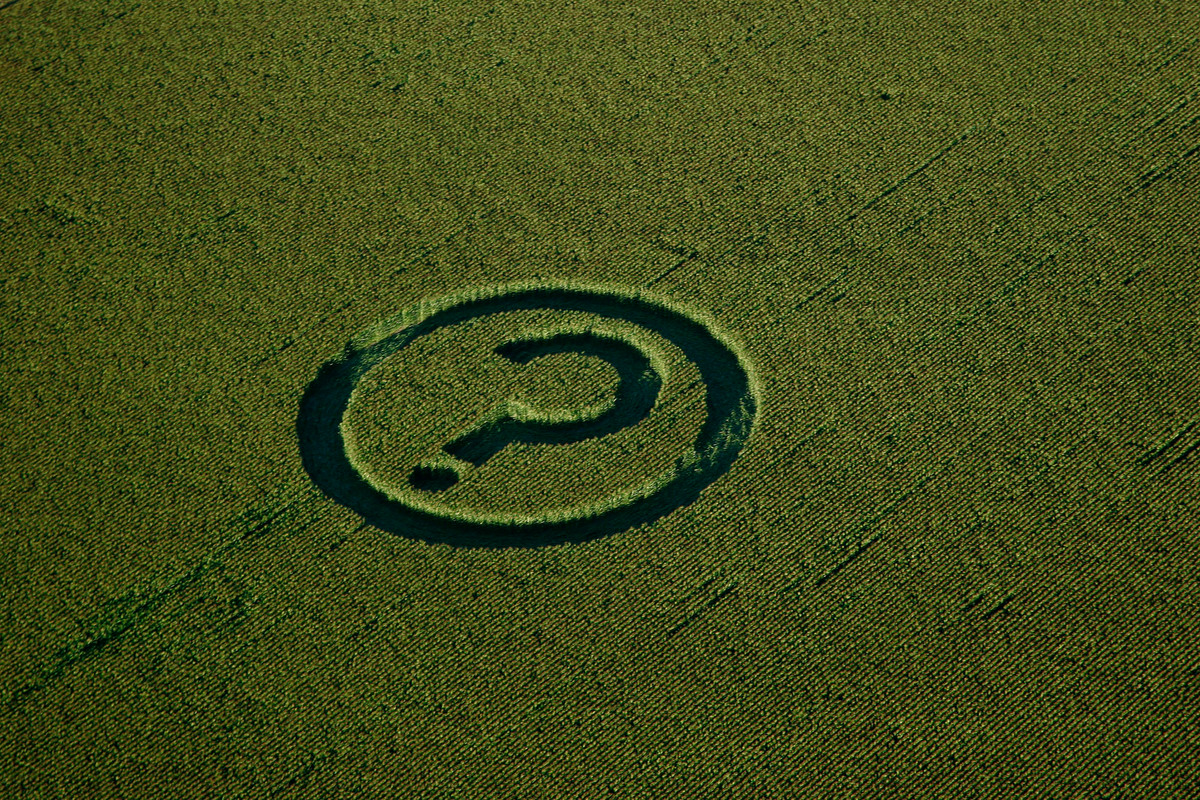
<point>639,379</point>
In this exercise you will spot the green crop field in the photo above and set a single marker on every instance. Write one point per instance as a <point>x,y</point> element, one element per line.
<point>452,399</point>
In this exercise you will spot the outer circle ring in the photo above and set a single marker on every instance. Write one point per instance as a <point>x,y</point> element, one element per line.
<point>731,401</point>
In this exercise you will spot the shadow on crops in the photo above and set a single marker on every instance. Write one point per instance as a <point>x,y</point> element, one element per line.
<point>637,391</point>
<point>729,400</point>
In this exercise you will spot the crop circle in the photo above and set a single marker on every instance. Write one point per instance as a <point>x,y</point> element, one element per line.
<point>329,451</point>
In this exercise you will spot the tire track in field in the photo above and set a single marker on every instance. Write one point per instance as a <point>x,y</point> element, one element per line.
<point>338,310</point>
<point>868,531</point>
<point>124,614</point>
<point>1138,482</point>
<point>711,601</point>
<point>1172,459</point>
<point>1121,486</point>
<point>978,314</point>
<point>447,239</point>
<point>1005,291</point>
<point>1100,161</point>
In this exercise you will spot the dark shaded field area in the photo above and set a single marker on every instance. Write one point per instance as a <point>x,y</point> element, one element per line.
<point>955,244</point>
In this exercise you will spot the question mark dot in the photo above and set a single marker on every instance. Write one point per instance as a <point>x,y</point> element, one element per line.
<point>433,477</point>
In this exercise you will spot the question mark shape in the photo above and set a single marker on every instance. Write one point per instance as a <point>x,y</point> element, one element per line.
<point>640,377</point>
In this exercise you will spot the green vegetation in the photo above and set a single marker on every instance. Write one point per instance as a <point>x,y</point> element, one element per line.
<point>445,399</point>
